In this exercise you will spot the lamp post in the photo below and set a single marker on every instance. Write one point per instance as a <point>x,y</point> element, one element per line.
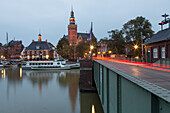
<point>91,51</point>
<point>142,45</point>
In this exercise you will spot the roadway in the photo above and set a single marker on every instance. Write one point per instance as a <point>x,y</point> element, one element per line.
<point>156,75</point>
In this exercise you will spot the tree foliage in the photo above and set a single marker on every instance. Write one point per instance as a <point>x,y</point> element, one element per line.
<point>63,48</point>
<point>117,43</point>
<point>135,31</point>
<point>0,44</point>
<point>82,48</point>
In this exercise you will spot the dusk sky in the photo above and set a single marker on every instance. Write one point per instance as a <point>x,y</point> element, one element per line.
<point>22,19</point>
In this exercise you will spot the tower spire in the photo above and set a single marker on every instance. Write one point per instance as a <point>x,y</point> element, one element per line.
<point>72,18</point>
<point>39,36</point>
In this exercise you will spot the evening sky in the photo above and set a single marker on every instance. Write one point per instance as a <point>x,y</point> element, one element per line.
<point>22,19</point>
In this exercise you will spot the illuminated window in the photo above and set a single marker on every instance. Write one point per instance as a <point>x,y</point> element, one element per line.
<point>155,52</point>
<point>37,47</point>
<point>163,52</point>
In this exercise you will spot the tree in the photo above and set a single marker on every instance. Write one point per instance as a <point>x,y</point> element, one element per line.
<point>63,48</point>
<point>117,43</point>
<point>135,31</point>
<point>0,44</point>
<point>82,48</point>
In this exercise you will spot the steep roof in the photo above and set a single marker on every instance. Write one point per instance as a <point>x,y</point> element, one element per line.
<point>85,36</point>
<point>12,43</point>
<point>42,45</point>
<point>160,36</point>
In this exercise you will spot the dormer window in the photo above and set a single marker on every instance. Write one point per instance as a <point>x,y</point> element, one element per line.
<point>37,47</point>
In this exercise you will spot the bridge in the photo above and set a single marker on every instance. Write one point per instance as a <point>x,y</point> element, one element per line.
<point>130,87</point>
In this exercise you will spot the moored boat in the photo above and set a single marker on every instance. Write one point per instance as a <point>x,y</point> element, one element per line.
<point>57,64</point>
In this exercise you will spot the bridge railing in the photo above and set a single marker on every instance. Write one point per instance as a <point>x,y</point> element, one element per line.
<point>123,93</point>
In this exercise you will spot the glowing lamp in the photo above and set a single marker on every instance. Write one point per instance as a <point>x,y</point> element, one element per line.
<point>136,46</point>
<point>91,47</point>
<point>47,56</point>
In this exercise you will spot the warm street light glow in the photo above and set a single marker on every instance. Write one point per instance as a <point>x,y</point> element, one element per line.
<point>136,46</point>
<point>93,109</point>
<point>47,56</point>
<point>90,52</point>
<point>91,47</point>
<point>98,52</point>
<point>20,72</point>
<point>85,53</point>
<point>137,57</point>
<point>104,52</point>
<point>110,51</point>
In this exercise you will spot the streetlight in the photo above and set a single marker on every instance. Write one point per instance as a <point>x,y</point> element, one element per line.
<point>136,46</point>
<point>91,47</point>
<point>91,52</point>
<point>110,52</point>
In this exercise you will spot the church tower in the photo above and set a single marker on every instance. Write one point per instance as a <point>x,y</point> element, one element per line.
<point>72,30</point>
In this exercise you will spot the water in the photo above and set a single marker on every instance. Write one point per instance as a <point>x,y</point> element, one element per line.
<point>27,91</point>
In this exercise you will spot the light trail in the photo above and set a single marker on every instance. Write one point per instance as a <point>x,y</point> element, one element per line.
<point>139,64</point>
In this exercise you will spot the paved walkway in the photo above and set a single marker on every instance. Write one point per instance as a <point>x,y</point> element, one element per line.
<point>155,75</point>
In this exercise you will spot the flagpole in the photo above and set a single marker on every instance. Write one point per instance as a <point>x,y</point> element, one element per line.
<point>91,41</point>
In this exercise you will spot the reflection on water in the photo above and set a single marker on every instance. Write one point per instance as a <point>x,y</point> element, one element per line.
<point>28,91</point>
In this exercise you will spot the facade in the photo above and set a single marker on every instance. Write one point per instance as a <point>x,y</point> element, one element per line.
<point>73,36</point>
<point>102,48</point>
<point>158,47</point>
<point>14,49</point>
<point>39,50</point>
<point>2,52</point>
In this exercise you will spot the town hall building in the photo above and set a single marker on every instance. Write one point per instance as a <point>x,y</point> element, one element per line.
<point>73,36</point>
<point>39,50</point>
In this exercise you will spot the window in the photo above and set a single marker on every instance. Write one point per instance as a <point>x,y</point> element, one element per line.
<point>155,52</point>
<point>46,52</point>
<point>32,52</point>
<point>28,52</point>
<point>37,52</point>
<point>37,47</point>
<point>163,52</point>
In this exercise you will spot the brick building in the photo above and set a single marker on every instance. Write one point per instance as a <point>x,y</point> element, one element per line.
<point>39,50</point>
<point>14,49</point>
<point>158,47</point>
<point>73,36</point>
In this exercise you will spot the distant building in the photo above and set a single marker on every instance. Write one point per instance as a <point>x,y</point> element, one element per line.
<point>2,54</point>
<point>2,51</point>
<point>39,50</point>
<point>73,36</point>
<point>102,48</point>
<point>158,47</point>
<point>14,49</point>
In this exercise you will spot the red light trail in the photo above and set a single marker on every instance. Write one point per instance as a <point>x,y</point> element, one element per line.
<point>140,64</point>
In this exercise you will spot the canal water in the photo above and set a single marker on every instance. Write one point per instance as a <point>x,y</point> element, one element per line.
<point>28,91</point>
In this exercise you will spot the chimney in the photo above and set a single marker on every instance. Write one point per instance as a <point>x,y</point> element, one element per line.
<point>32,40</point>
<point>46,40</point>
